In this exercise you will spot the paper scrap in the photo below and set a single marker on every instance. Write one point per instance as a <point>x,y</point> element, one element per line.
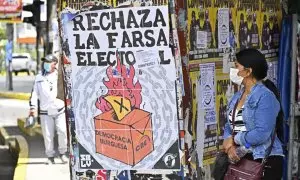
<point>146,59</point>
<point>201,39</point>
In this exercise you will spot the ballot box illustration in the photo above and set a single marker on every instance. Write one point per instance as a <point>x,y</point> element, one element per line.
<point>124,134</point>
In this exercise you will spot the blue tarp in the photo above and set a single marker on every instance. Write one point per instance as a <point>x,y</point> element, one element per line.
<point>284,77</point>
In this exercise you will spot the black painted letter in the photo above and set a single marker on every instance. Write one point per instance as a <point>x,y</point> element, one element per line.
<point>104,14</point>
<point>162,37</point>
<point>145,13</point>
<point>120,19</point>
<point>80,57</point>
<point>151,40</point>
<point>131,20</point>
<point>159,18</point>
<point>137,37</point>
<point>111,39</point>
<point>77,44</point>
<point>91,21</point>
<point>92,41</point>
<point>126,40</point>
<point>78,21</point>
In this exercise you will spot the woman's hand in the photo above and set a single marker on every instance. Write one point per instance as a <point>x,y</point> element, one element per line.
<point>228,143</point>
<point>232,154</point>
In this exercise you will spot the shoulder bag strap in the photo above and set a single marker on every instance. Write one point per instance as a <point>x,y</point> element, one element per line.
<point>233,117</point>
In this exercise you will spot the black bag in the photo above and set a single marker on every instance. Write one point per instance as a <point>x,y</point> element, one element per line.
<point>220,166</point>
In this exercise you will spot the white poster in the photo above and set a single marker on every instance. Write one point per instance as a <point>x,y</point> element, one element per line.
<point>272,72</point>
<point>148,58</point>
<point>123,89</point>
<point>223,28</point>
<point>207,88</point>
<point>200,127</point>
<point>201,39</point>
<point>226,63</point>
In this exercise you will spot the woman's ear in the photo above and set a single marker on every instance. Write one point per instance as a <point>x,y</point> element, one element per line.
<point>249,71</point>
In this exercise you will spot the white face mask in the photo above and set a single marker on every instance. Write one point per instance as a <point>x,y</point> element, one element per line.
<point>234,77</point>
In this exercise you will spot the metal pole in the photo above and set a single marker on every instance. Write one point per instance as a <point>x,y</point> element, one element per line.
<point>10,87</point>
<point>37,47</point>
<point>10,37</point>
<point>293,91</point>
<point>48,21</point>
<point>38,37</point>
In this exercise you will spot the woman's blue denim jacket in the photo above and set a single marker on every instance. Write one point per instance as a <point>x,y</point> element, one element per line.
<point>259,115</point>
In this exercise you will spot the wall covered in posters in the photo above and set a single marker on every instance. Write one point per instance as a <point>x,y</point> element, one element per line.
<point>125,68</point>
<point>251,24</point>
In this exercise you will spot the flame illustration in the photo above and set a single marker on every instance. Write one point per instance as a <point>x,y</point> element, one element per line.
<point>121,86</point>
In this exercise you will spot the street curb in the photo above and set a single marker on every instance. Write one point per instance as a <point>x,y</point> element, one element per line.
<point>4,137</point>
<point>15,95</point>
<point>23,153</point>
<point>36,130</point>
<point>18,147</point>
<point>19,74</point>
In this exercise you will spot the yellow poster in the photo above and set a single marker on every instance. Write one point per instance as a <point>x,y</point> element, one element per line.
<point>194,75</point>
<point>209,117</point>
<point>210,148</point>
<point>223,94</point>
<point>271,17</point>
<point>248,22</point>
<point>201,28</point>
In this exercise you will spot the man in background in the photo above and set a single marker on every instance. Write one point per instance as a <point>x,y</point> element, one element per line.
<point>52,109</point>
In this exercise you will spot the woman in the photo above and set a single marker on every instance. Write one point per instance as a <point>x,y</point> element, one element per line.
<point>256,112</point>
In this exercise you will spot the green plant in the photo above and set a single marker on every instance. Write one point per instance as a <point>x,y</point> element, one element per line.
<point>2,33</point>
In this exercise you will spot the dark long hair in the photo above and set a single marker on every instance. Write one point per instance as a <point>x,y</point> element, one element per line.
<point>254,59</point>
<point>280,118</point>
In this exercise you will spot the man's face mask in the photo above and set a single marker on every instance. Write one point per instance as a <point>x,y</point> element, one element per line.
<point>47,67</point>
<point>234,77</point>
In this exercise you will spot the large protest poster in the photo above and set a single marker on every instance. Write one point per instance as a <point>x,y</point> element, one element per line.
<point>122,75</point>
